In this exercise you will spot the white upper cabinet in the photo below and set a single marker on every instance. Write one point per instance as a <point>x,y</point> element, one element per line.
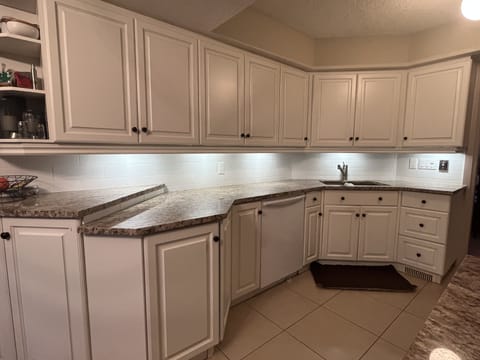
<point>91,68</point>
<point>436,107</point>
<point>378,110</point>
<point>222,108</point>
<point>262,102</point>
<point>333,109</point>
<point>294,102</point>
<point>167,84</point>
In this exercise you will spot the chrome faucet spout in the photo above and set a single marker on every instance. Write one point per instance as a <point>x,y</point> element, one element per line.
<point>344,171</point>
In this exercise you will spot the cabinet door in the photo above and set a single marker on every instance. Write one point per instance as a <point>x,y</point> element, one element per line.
<point>378,111</point>
<point>222,107</point>
<point>377,236</point>
<point>182,276</point>
<point>436,107</point>
<point>333,109</point>
<point>262,103</point>
<point>340,234</point>
<point>246,233</point>
<point>313,233</point>
<point>91,67</point>
<point>167,84</point>
<point>45,268</point>
<point>294,95</point>
<point>225,272</point>
<point>7,338</point>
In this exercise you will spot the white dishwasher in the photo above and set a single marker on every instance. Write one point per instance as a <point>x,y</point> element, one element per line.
<point>282,238</point>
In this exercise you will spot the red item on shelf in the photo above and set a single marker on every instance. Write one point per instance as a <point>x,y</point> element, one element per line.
<point>22,81</point>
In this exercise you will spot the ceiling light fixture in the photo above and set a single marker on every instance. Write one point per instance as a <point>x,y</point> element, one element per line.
<point>471,9</point>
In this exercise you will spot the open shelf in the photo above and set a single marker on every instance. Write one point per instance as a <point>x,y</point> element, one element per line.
<point>20,46</point>
<point>17,91</point>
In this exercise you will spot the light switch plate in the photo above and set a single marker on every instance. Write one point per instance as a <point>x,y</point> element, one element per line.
<point>427,164</point>
<point>220,168</point>
<point>412,163</point>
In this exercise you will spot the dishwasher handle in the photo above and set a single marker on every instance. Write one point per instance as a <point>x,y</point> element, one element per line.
<point>283,202</point>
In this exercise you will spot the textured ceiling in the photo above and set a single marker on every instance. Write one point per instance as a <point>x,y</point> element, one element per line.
<point>346,18</point>
<point>200,15</point>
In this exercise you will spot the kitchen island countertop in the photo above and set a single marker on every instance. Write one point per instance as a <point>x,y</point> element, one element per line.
<point>452,330</point>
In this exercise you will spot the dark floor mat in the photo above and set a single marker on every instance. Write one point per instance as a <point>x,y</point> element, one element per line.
<point>356,277</point>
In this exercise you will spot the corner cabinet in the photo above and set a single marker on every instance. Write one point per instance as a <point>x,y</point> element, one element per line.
<point>167,84</point>
<point>436,109</point>
<point>44,267</point>
<point>90,65</point>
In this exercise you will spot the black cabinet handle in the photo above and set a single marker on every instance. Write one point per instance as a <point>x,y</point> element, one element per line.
<point>421,225</point>
<point>305,138</point>
<point>260,212</point>
<point>135,129</point>
<point>357,138</point>
<point>5,235</point>
<point>314,199</point>
<point>248,135</point>
<point>242,135</point>
<point>380,199</point>
<point>342,198</point>
<point>144,129</point>
<point>424,201</point>
<point>357,215</point>
<point>350,138</point>
<point>405,138</point>
<point>364,215</point>
<point>320,214</point>
<point>419,255</point>
<point>216,238</point>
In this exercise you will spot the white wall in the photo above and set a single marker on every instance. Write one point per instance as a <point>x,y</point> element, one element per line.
<point>360,166</point>
<point>76,172</point>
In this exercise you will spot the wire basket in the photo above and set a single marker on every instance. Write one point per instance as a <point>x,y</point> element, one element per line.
<point>12,187</point>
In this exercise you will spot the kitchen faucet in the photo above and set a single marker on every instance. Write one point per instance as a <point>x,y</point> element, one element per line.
<point>344,170</point>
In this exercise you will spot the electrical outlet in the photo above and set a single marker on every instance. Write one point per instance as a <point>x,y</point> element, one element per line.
<point>427,164</point>
<point>220,168</point>
<point>412,163</point>
<point>443,166</point>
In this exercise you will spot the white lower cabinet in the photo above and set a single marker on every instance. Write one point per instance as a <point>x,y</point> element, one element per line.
<point>44,267</point>
<point>182,282</point>
<point>246,246</point>
<point>356,232</point>
<point>312,227</point>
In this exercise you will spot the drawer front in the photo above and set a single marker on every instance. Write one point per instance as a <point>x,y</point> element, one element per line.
<point>363,198</point>
<point>421,254</point>
<point>424,224</point>
<point>313,198</point>
<point>426,201</point>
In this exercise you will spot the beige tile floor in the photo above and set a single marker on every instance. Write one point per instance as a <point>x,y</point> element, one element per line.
<point>297,320</point>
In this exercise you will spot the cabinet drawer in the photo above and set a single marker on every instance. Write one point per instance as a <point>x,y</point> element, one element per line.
<point>424,224</point>
<point>313,198</point>
<point>364,198</point>
<point>421,254</point>
<point>426,201</point>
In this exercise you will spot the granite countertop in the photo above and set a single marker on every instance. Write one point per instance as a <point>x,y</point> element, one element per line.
<point>179,209</point>
<point>73,204</point>
<point>454,323</point>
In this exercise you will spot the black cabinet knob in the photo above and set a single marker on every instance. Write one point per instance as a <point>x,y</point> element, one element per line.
<point>144,129</point>
<point>424,201</point>
<point>260,212</point>
<point>216,238</point>
<point>419,255</point>
<point>5,235</point>
<point>247,136</point>
<point>405,138</point>
<point>364,215</point>
<point>314,199</point>
<point>350,138</point>
<point>342,198</point>
<point>242,135</point>
<point>135,129</point>
<point>320,214</point>
<point>380,199</point>
<point>357,215</point>
<point>421,225</point>
<point>357,138</point>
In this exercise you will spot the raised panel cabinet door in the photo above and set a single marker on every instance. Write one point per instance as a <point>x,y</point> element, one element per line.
<point>377,236</point>
<point>340,233</point>
<point>313,233</point>
<point>262,102</point>
<point>437,97</point>
<point>47,287</point>
<point>168,84</point>
<point>333,109</point>
<point>378,110</point>
<point>182,277</point>
<point>7,336</point>
<point>222,98</point>
<point>246,245</point>
<point>91,63</point>
<point>294,102</point>
<point>225,272</point>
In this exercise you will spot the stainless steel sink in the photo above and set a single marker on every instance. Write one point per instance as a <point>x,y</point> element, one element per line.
<point>352,183</point>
